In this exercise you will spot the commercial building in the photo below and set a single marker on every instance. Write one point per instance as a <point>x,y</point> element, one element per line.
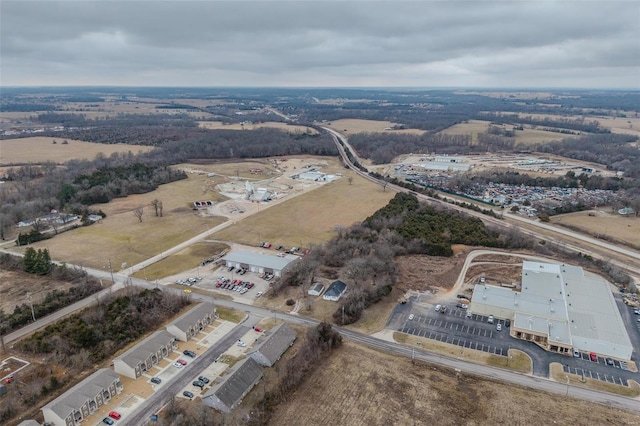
<point>197,319</point>
<point>139,359</point>
<point>82,400</point>
<point>258,262</point>
<point>559,308</point>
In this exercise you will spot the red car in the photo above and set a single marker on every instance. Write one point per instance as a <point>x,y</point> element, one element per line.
<point>257,329</point>
<point>181,361</point>
<point>593,357</point>
<point>114,415</point>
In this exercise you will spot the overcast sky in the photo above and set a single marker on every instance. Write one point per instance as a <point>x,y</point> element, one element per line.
<point>532,43</point>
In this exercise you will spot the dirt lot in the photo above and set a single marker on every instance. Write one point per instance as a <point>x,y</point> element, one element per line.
<point>526,136</point>
<point>625,229</point>
<point>38,149</point>
<point>352,389</point>
<point>14,287</point>
<point>428,273</point>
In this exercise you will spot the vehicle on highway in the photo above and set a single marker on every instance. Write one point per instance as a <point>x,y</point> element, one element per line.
<point>181,361</point>
<point>177,365</point>
<point>411,317</point>
<point>114,415</point>
<point>156,380</point>
<point>188,394</point>
<point>189,353</point>
<point>499,327</point>
<point>108,421</point>
<point>198,383</point>
<point>203,379</point>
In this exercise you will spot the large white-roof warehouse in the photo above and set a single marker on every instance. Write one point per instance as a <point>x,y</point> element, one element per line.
<point>560,309</point>
<point>258,262</point>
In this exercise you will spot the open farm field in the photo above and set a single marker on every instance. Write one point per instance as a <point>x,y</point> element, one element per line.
<point>352,125</point>
<point>311,217</point>
<point>249,169</point>
<point>237,126</point>
<point>123,239</point>
<point>620,228</point>
<point>526,136</point>
<point>358,386</point>
<point>40,149</point>
<point>629,124</point>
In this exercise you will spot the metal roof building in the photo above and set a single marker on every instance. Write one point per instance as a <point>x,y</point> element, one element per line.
<point>258,262</point>
<point>227,395</point>
<point>335,291</point>
<point>560,309</point>
<point>275,343</point>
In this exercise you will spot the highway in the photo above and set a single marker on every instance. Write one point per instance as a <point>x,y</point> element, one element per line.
<point>630,263</point>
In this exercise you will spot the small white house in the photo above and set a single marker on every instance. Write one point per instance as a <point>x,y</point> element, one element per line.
<point>316,290</point>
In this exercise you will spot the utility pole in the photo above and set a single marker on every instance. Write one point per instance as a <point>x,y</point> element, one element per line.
<point>342,315</point>
<point>113,281</point>
<point>33,314</point>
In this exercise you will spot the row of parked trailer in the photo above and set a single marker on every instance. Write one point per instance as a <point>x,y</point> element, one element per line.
<point>234,285</point>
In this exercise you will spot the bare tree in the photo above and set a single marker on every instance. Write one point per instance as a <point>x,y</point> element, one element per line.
<point>138,213</point>
<point>350,179</point>
<point>154,203</point>
<point>384,186</point>
<point>160,207</point>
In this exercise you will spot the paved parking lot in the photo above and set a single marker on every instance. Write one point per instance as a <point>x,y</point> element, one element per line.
<point>475,332</point>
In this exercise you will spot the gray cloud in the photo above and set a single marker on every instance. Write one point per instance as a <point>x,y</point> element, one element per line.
<point>321,43</point>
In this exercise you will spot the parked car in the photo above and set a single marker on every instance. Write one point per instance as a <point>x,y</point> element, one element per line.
<point>490,319</point>
<point>507,323</point>
<point>609,361</point>
<point>438,307</point>
<point>156,380</point>
<point>203,379</point>
<point>593,357</point>
<point>108,421</point>
<point>186,290</point>
<point>258,294</point>
<point>231,268</point>
<point>188,394</point>
<point>411,317</point>
<point>198,383</point>
<point>468,314</point>
<point>241,343</point>
<point>181,361</point>
<point>499,327</point>
<point>258,329</point>
<point>114,415</point>
<point>576,353</point>
<point>189,353</point>
<point>177,365</point>
<point>278,247</point>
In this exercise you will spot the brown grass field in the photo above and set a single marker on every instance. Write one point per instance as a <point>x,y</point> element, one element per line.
<point>238,126</point>
<point>358,386</point>
<point>619,228</point>
<point>311,217</point>
<point>352,126</point>
<point>39,149</point>
<point>15,285</point>
<point>122,238</point>
<point>526,136</point>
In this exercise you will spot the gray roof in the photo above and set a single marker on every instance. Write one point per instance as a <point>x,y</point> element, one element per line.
<point>75,397</point>
<point>29,422</point>
<point>335,289</point>
<point>194,315</point>
<point>150,345</point>
<point>259,259</point>
<point>277,342</point>
<point>246,373</point>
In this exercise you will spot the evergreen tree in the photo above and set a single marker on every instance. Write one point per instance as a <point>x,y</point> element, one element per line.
<point>43,262</point>
<point>30,260</point>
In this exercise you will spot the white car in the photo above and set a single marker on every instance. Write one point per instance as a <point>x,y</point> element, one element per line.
<point>499,327</point>
<point>258,294</point>
<point>411,317</point>
<point>177,365</point>
<point>242,344</point>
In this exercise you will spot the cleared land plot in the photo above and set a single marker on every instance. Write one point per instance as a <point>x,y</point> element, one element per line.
<point>360,386</point>
<point>311,217</point>
<point>620,228</point>
<point>237,126</point>
<point>352,126</point>
<point>39,149</point>
<point>526,136</point>
<point>122,238</point>
<point>14,287</point>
